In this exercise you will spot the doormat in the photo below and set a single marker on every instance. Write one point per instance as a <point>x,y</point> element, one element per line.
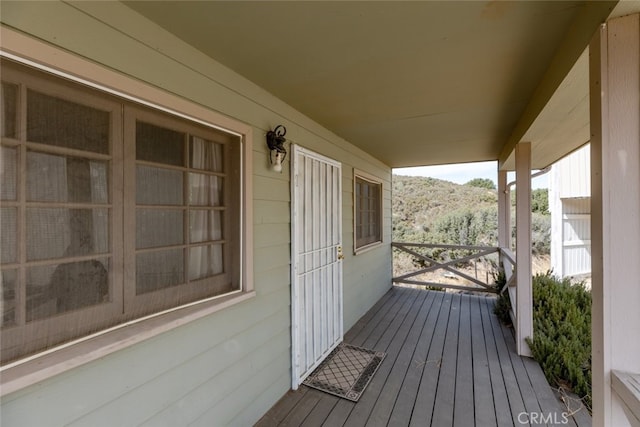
<point>346,371</point>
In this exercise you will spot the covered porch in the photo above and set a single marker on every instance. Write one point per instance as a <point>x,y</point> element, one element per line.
<point>373,86</point>
<point>449,362</point>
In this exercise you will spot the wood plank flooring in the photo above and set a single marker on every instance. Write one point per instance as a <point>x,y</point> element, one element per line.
<point>449,363</point>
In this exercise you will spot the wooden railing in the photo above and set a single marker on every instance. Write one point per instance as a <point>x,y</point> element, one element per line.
<point>508,263</point>
<point>423,255</point>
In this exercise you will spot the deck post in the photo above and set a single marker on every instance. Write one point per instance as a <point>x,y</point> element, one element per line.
<point>615,211</point>
<point>504,211</point>
<point>524,292</point>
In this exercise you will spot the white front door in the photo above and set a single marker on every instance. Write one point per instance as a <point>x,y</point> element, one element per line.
<point>316,267</point>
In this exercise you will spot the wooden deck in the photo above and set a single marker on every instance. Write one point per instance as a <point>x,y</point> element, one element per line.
<point>449,363</point>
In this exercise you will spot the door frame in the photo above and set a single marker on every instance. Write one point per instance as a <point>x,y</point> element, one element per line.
<point>295,150</point>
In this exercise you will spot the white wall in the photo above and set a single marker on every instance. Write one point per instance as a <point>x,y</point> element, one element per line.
<point>569,203</point>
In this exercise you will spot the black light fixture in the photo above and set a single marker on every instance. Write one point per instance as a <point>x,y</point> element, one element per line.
<point>277,152</point>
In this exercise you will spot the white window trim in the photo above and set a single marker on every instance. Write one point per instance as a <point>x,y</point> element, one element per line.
<point>374,180</point>
<point>31,370</point>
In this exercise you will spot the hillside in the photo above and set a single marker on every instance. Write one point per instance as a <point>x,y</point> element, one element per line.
<point>429,210</point>
<point>422,206</point>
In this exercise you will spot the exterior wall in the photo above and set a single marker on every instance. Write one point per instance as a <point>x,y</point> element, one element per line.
<point>569,203</point>
<point>231,366</point>
<point>571,175</point>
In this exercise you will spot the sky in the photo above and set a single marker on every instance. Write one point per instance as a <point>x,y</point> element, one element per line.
<point>464,172</point>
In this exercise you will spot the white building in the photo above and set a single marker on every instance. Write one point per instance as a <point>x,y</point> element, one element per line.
<point>570,206</point>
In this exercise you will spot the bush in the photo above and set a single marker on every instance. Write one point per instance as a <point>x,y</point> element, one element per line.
<point>540,201</point>
<point>482,183</point>
<point>503,304</point>
<point>562,333</point>
<point>540,234</point>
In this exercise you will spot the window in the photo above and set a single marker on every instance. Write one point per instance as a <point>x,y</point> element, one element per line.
<point>110,211</point>
<point>367,211</point>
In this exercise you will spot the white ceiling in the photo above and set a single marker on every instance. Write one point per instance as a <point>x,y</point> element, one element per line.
<point>412,83</point>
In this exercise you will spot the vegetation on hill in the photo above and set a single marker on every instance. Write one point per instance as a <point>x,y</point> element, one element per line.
<point>482,183</point>
<point>428,210</point>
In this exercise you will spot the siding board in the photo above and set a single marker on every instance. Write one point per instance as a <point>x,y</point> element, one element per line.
<point>185,382</point>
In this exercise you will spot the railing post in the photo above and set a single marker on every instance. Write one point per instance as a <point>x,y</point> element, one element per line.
<point>504,211</point>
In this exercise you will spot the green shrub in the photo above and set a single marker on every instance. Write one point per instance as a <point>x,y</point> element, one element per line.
<point>503,304</point>
<point>562,333</point>
<point>482,183</point>
<point>540,201</point>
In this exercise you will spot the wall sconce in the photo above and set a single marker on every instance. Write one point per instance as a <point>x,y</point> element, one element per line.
<point>277,152</point>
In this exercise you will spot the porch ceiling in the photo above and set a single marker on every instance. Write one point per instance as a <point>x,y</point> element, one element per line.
<point>412,83</point>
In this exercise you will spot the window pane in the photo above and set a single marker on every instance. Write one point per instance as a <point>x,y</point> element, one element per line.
<point>156,227</point>
<point>205,226</point>
<point>54,289</point>
<point>205,155</point>
<point>8,228</point>
<point>8,176</point>
<point>205,261</point>
<point>59,232</point>
<point>367,217</point>
<point>52,178</point>
<point>205,190</point>
<point>8,114</point>
<point>156,186</point>
<point>158,270</point>
<point>8,280</point>
<point>62,123</point>
<point>159,145</point>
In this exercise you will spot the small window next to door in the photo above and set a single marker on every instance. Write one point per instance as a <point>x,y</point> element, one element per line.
<point>367,211</point>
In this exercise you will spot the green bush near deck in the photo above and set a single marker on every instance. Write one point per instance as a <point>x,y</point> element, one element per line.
<point>503,304</point>
<point>562,333</point>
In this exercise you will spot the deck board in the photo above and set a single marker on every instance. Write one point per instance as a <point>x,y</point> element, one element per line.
<point>387,400</point>
<point>391,343</point>
<point>516,404</point>
<point>449,363</point>
<point>483,404</point>
<point>425,399</point>
<point>498,388</point>
<point>445,395</point>
<point>405,401</point>
<point>463,414</point>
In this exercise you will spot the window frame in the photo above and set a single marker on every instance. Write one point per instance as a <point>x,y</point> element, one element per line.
<point>44,57</point>
<point>189,290</point>
<point>374,181</point>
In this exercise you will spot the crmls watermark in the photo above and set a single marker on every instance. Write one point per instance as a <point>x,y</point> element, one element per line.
<point>539,418</point>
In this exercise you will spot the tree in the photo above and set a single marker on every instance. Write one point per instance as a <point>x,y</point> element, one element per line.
<point>540,201</point>
<point>482,183</point>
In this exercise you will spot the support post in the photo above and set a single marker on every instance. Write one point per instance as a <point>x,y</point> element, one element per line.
<point>524,292</point>
<point>615,211</point>
<point>504,211</point>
